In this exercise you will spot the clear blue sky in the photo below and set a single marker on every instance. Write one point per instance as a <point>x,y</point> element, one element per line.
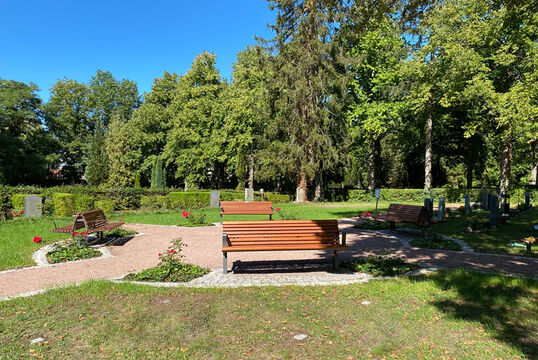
<point>46,40</point>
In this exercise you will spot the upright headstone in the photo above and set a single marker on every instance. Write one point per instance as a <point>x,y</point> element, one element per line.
<point>506,204</point>
<point>300,195</point>
<point>484,200</point>
<point>214,199</point>
<point>527,200</point>
<point>262,194</point>
<point>467,205</point>
<point>33,206</point>
<point>249,194</point>
<point>428,204</point>
<point>441,209</point>
<point>492,211</point>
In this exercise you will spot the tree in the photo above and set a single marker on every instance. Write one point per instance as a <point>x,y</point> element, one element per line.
<point>96,159</point>
<point>158,175</point>
<point>307,89</point>
<point>196,139</point>
<point>120,157</point>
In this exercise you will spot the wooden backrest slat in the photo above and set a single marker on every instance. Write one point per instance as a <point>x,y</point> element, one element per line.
<point>409,213</point>
<point>247,208</point>
<point>94,219</point>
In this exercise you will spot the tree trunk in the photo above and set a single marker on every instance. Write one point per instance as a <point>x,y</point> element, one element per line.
<point>303,185</point>
<point>470,164</point>
<point>428,139</point>
<point>251,171</point>
<point>534,166</point>
<point>318,196</point>
<point>374,163</point>
<point>506,171</point>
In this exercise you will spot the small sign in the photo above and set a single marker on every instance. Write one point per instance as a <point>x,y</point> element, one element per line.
<point>377,192</point>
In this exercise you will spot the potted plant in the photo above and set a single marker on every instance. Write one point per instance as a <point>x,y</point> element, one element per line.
<point>535,223</point>
<point>528,241</point>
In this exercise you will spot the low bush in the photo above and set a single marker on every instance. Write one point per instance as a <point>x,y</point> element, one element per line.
<point>106,205</point>
<point>171,268</point>
<point>188,200</point>
<point>194,219</point>
<point>435,242</point>
<point>277,198</point>
<point>380,265</point>
<point>64,204</point>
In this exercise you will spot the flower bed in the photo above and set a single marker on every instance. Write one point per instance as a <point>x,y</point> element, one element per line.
<point>77,248</point>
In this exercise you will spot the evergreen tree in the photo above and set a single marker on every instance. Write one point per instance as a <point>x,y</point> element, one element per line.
<point>96,160</point>
<point>158,175</point>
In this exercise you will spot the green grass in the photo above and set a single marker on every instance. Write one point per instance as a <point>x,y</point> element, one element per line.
<point>495,240</point>
<point>451,315</point>
<point>435,242</point>
<point>380,265</point>
<point>16,240</point>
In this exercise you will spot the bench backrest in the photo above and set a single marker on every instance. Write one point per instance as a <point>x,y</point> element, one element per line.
<point>94,219</point>
<point>281,232</point>
<point>78,222</point>
<point>409,213</point>
<point>246,208</point>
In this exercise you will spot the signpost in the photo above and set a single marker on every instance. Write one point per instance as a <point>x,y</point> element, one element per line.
<point>377,193</point>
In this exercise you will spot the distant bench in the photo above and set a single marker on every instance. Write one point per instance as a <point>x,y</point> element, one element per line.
<point>93,221</point>
<point>246,208</point>
<point>281,235</point>
<point>413,214</point>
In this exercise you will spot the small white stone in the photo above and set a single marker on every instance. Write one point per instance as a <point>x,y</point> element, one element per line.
<point>36,340</point>
<point>166,301</point>
<point>366,302</point>
<point>300,336</point>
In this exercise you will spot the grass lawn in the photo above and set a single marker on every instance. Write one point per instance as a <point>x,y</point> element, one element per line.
<point>449,315</point>
<point>16,240</point>
<point>496,240</point>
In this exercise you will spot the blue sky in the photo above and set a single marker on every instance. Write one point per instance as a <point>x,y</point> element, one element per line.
<point>46,40</point>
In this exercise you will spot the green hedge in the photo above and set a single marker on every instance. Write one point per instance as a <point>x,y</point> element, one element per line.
<point>156,202</point>
<point>188,200</point>
<point>64,204</point>
<point>106,205</point>
<point>17,201</point>
<point>84,202</point>
<point>277,198</point>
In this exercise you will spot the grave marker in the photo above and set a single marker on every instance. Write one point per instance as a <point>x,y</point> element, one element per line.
<point>249,194</point>
<point>493,211</point>
<point>214,199</point>
<point>467,205</point>
<point>300,195</point>
<point>33,206</point>
<point>484,200</point>
<point>441,209</point>
<point>428,204</point>
<point>527,200</point>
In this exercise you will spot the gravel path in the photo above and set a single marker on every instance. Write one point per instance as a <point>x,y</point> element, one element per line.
<point>203,247</point>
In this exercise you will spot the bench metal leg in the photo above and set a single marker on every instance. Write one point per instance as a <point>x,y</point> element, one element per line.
<point>225,263</point>
<point>336,261</point>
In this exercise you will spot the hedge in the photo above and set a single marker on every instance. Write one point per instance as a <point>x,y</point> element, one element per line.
<point>106,205</point>
<point>64,204</point>
<point>156,202</point>
<point>277,198</point>
<point>17,201</point>
<point>188,200</point>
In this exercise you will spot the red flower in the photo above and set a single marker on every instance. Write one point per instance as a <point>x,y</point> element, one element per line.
<point>73,234</point>
<point>360,215</point>
<point>159,254</point>
<point>368,214</point>
<point>85,233</point>
<point>37,239</point>
<point>122,218</point>
<point>21,212</point>
<point>185,214</point>
<point>277,209</point>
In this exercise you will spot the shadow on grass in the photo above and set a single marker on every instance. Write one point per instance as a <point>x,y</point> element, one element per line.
<point>345,214</point>
<point>506,306</point>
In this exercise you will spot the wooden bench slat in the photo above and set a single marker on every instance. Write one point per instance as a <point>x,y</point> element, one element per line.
<point>283,248</point>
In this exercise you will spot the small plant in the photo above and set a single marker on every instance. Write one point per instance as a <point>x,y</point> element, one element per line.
<point>194,219</point>
<point>529,241</point>
<point>476,222</point>
<point>286,215</point>
<point>364,214</point>
<point>434,241</point>
<point>120,232</point>
<point>171,267</point>
<point>380,265</point>
<point>75,249</point>
<point>372,225</point>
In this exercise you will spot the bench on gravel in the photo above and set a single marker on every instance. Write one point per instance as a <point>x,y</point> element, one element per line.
<point>281,235</point>
<point>93,221</point>
<point>413,214</point>
<point>246,208</point>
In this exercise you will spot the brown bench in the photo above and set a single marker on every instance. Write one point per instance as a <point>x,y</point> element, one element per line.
<point>93,221</point>
<point>281,235</point>
<point>246,208</point>
<point>413,214</point>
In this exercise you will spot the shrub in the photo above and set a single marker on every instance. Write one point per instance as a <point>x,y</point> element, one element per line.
<point>17,201</point>
<point>380,265</point>
<point>106,205</point>
<point>64,204</point>
<point>84,202</point>
<point>156,202</point>
<point>194,219</point>
<point>277,198</point>
<point>171,268</point>
<point>188,200</point>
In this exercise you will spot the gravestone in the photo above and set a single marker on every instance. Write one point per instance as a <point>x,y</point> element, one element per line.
<point>505,208</point>
<point>214,199</point>
<point>249,194</point>
<point>492,211</point>
<point>484,200</point>
<point>441,209</point>
<point>428,204</point>
<point>467,205</point>
<point>300,195</point>
<point>527,200</point>
<point>262,194</point>
<point>33,206</point>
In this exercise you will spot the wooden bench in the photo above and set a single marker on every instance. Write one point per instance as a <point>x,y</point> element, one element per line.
<point>93,221</point>
<point>246,208</point>
<point>413,214</point>
<point>281,235</point>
